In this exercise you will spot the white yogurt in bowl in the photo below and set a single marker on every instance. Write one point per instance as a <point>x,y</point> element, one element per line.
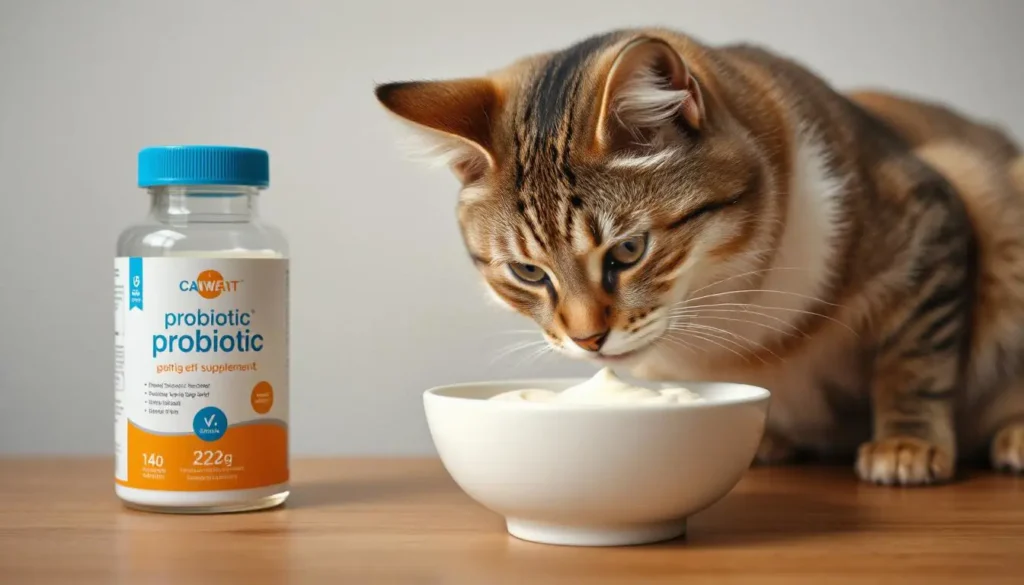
<point>604,388</point>
<point>596,462</point>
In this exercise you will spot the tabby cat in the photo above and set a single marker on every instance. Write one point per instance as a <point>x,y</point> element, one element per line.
<point>682,211</point>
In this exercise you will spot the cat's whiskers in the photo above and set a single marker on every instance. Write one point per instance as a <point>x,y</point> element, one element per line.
<point>737,336</point>
<point>669,337</point>
<point>683,311</point>
<point>755,253</point>
<point>793,331</point>
<point>756,290</point>
<point>711,332</point>
<point>515,347</point>
<point>745,274</point>
<point>706,337</point>
<point>534,355</point>
<point>744,310</point>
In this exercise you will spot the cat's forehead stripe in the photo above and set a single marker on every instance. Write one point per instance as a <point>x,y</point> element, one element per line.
<point>553,83</point>
<point>570,217</point>
<point>565,167</point>
<point>543,136</point>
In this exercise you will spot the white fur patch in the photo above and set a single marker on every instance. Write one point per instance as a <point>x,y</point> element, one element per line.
<point>646,101</point>
<point>471,195</point>
<point>429,147</point>
<point>581,243</point>
<point>648,162</point>
<point>609,228</point>
<point>805,259</point>
<point>433,148</point>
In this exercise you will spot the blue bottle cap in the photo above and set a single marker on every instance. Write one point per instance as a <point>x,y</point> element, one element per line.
<point>203,165</point>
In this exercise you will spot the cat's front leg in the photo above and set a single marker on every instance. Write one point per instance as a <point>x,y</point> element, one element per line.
<point>918,371</point>
<point>913,389</point>
<point>1007,450</point>
<point>914,440</point>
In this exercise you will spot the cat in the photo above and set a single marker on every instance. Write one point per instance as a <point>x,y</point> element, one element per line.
<point>683,211</point>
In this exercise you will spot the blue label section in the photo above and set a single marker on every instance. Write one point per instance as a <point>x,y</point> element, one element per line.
<point>210,423</point>
<point>135,283</point>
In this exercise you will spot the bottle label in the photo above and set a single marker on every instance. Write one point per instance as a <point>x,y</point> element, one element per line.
<point>201,373</point>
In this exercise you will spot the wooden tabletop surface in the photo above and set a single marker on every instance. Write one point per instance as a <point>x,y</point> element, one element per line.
<point>405,522</point>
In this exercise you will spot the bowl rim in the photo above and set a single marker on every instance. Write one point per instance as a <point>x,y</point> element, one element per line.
<point>757,395</point>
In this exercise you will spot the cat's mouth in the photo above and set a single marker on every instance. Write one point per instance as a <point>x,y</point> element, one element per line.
<point>642,346</point>
<point>621,357</point>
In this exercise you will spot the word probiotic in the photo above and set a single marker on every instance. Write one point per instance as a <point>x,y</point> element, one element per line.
<point>201,338</point>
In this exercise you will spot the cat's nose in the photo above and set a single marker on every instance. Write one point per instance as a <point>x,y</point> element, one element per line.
<point>593,342</point>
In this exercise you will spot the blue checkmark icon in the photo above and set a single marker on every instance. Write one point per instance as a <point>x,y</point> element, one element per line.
<point>210,423</point>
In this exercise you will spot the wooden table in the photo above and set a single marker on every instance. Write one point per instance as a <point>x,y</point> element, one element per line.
<point>405,522</point>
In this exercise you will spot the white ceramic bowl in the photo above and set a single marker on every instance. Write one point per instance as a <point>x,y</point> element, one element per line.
<point>595,475</point>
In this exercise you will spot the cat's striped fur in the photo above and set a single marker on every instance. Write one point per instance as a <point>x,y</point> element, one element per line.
<point>695,212</point>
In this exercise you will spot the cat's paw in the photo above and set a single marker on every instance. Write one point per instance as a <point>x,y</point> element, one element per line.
<point>1008,448</point>
<point>774,450</point>
<point>904,461</point>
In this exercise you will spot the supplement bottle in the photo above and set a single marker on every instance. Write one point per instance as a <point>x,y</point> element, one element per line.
<point>201,338</point>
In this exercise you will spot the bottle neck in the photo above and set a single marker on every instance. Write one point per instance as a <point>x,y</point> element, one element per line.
<point>182,204</point>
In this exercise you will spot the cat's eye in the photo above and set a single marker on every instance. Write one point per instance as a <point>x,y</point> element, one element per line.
<point>627,252</point>
<point>528,273</point>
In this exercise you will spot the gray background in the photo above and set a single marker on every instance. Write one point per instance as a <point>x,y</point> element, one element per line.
<point>384,302</point>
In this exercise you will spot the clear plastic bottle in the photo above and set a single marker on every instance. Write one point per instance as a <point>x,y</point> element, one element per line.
<point>201,338</point>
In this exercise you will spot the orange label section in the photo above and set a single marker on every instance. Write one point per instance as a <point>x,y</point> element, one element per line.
<point>262,397</point>
<point>247,456</point>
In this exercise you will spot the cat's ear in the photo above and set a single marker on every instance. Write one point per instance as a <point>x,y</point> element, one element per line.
<point>648,93</point>
<point>453,117</point>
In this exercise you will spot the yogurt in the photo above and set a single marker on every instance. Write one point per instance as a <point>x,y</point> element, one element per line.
<point>603,388</point>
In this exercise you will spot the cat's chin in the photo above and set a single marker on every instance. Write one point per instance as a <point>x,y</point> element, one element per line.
<point>620,359</point>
